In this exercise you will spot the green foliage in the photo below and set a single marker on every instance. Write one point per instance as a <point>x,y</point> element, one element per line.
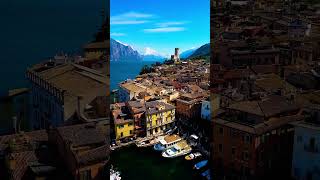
<point>146,69</point>
<point>206,58</point>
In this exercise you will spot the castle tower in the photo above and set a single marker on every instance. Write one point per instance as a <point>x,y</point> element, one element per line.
<point>176,53</point>
<point>172,58</point>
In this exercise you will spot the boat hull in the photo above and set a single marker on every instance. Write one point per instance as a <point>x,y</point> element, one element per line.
<point>158,147</point>
<point>164,154</point>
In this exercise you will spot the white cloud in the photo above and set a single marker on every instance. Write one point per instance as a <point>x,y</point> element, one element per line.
<point>167,24</point>
<point>117,34</point>
<point>127,22</point>
<point>136,15</point>
<point>164,29</point>
<point>130,18</point>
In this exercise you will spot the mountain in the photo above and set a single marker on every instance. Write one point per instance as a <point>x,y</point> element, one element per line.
<point>204,50</point>
<point>153,58</point>
<point>152,55</point>
<point>123,52</point>
<point>187,53</point>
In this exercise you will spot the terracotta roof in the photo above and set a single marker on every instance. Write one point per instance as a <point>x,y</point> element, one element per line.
<point>22,162</point>
<point>261,128</point>
<point>270,106</point>
<point>87,135</point>
<point>98,154</point>
<point>81,135</point>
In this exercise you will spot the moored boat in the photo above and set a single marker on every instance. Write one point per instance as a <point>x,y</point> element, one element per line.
<point>166,142</point>
<point>206,174</point>
<point>200,164</point>
<point>193,156</point>
<point>179,149</point>
<point>114,175</point>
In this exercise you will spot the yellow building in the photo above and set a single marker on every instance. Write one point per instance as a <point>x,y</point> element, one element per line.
<point>123,123</point>
<point>160,116</point>
<point>124,128</point>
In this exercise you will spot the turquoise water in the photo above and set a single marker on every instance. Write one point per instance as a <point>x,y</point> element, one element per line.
<point>122,70</point>
<point>32,31</point>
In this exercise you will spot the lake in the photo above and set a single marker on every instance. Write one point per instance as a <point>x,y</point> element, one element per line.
<point>122,70</point>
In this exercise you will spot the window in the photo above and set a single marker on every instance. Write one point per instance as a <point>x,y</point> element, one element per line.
<point>131,132</point>
<point>121,134</point>
<point>121,126</point>
<point>312,143</point>
<point>233,133</point>
<point>85,175</point>
<point>233,150</point>
<point>247,139</point>
<point>221,131</point>
<point>130,124</point>
<point>220,148</point>
<point>299,138</point>
<point>245,156</point>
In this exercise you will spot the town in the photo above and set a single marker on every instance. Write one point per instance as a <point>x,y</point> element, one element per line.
<point>265,89</point>
<point>167,109</point>
<point>60,123</point>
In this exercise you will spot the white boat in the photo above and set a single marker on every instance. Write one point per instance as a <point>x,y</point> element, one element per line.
<point>114,175</point>
<point>179,149</point>
<point>166,142</point>
<point>193,156</point>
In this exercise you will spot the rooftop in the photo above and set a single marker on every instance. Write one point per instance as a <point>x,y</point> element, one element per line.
<point>270,106</point>
<point>172,138</point>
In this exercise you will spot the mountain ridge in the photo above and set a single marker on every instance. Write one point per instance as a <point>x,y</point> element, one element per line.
<point>123,52</point>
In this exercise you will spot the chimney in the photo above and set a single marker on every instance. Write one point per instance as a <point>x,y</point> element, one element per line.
<point>79,98</point>
<point>15,122</point>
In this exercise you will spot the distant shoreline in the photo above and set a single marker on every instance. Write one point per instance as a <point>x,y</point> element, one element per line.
<point>121,70</point>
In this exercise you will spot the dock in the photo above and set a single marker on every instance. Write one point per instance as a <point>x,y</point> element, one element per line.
<point>135,141</point>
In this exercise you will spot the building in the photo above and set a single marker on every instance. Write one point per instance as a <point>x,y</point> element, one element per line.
<point>272,84</point>
<point>175,57</point>
<point>160,116</point>
<point>243,54</point>
<point>254,139</point>
<point>123,121</point>
<point>129,90</point>
<point>206,110</point>
<point>64,93</point>
<point>306,154</point>
<point>215,103</point>
<point>14,111</point>
<point>138,109</point>
<point>95,50</point>
<point>83,149</point>
<point>188,106</point>
<point>20,160</point>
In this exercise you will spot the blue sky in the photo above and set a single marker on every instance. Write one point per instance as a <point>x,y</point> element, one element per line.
<point>160,25</point>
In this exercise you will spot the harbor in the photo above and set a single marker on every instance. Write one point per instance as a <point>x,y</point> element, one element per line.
<point>176,154</point>
<point>137,163</point>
